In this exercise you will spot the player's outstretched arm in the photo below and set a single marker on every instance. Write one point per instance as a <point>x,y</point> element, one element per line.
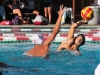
<point>56,26</point>
<point>73,27</point>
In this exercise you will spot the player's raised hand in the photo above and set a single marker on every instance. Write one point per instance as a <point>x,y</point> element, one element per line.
<point>78,23</point>
<point>61,10</point>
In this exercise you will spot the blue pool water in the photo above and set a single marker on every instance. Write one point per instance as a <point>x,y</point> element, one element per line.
<point>61,63</point>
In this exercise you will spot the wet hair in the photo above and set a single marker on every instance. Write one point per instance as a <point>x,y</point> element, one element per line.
<point>83,42</point>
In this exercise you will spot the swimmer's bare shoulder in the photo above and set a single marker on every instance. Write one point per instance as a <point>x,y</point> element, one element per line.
<point>65,44</point>
<point>38,50</point>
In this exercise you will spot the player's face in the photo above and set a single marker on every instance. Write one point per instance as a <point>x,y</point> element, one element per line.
<point>78,40</point>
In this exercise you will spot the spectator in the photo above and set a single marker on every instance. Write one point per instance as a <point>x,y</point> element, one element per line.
<point>2,10</point>
<point>31,7</point>
<point>7,10</point>
<point>14,6</point>
<point>21,4</point>
<point>47,9</point>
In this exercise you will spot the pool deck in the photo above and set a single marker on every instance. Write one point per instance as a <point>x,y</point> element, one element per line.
<point>49,26</point>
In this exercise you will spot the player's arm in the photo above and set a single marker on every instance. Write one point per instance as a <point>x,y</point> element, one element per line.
<point>56,27</point>
<point>73,27</point>
<point>60,46</point>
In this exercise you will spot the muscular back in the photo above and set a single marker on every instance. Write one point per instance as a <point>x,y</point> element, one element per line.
<point>38,50</point>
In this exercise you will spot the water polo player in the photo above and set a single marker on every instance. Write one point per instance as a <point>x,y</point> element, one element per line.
<point>43,48</point>
<point>73,43</point>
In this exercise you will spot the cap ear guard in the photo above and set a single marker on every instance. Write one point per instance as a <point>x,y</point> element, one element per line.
<point>40,36</point>
<point>37,39</point>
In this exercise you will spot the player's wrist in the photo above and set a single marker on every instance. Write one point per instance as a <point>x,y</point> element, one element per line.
<point>78,23</point>
<point>75,25</point>
<point>60,15</point>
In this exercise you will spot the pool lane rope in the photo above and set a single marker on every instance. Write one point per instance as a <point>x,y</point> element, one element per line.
<point>18,35</point>
<point>59,38</point>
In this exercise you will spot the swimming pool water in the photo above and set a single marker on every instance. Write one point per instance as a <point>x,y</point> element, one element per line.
<point>61,63</point>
